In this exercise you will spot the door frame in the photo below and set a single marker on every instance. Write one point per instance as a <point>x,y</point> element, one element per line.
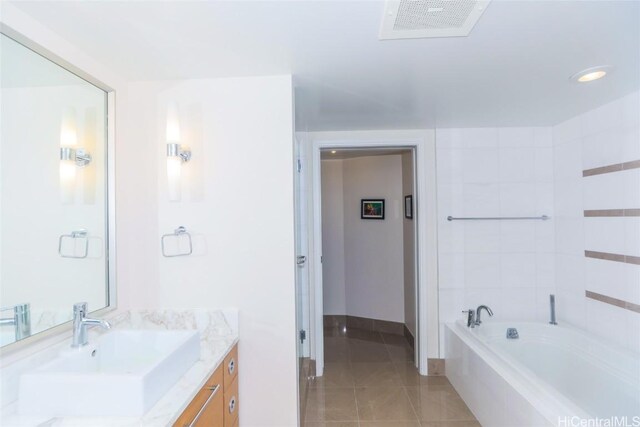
<point>425,214</point>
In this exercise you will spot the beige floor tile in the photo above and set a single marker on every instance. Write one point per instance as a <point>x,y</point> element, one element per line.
<point>408,374</point>
<point>375,375</point>
<point>362,335</point>
<point>384,404</point>
<point>392,339</point>
<point>336,349</point>
<point>401,353</point>
<point>370,381</point>
<point>360,351</point>
<point>335,375</point>
<point>336,404</point>
<point>332,424</point>
<point>390,424</point>
<point>442,404</point>
<point>450,424</point>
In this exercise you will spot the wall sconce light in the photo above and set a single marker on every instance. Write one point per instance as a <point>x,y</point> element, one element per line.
<point>176,154</point>
<point>71,157</point>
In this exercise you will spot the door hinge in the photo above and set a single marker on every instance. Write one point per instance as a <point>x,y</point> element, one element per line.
<point>303,335</point>
<point>299,165</point>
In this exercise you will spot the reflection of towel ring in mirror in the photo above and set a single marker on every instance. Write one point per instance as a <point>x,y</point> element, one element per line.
<point>78,234</point>
<point>180,231</point>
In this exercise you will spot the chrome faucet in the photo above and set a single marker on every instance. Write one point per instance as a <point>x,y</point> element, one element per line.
<point>479,311</point>
<point>81,323</point>
<point>21,320</point>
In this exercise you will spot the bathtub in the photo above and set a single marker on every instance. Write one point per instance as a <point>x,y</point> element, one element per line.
<point>550,376</point>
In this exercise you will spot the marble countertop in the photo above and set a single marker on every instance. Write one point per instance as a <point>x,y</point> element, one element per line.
<point>217,338</point>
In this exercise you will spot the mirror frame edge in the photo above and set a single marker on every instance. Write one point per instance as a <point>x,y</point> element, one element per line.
<point>61,332</point>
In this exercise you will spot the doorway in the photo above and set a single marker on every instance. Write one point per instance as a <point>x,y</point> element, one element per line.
<point>368,259</point>
<point>422,145</point>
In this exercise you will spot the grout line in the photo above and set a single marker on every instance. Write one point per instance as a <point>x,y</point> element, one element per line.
<point>415,412</point>
<point>355,398</point>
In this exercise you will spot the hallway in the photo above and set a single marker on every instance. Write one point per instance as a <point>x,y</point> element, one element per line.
<point>370,381</point>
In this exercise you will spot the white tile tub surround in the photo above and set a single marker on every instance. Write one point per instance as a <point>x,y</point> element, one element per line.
<point>217,336</point>
<point>526,382</point>
<point>601,137</point>
<point>508,265</point>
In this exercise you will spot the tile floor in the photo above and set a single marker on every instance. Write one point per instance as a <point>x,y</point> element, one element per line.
<point>370,381</point>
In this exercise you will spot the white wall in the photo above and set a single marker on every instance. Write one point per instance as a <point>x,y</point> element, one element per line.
<point>333,256</point>
<point>507,265</point>
<point>601,137</point>
<point>409,241</point>
<point>373,248</point>
<point>362,259</point>
<point>238,203</point>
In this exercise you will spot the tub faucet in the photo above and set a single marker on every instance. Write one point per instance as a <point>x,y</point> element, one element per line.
<point>479,311</point>
<point>552,308</point>
<point>81,323</point>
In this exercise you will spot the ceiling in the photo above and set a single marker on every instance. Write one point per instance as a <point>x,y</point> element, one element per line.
<point>513,69</point>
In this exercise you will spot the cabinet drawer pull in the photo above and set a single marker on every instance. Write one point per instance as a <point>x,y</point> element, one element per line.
<point>232,366</point>
<point>214,391</point>
<point>232,404</point>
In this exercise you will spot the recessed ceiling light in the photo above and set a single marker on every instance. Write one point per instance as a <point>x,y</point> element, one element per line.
<point>333,151</point>
<point>591,74</point>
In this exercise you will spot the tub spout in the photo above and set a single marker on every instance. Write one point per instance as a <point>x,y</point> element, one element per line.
<point>479,311</point>
<point>552,309</point>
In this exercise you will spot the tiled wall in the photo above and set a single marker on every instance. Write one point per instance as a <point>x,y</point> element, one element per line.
<point>508,265</point>
<point>597,222</point>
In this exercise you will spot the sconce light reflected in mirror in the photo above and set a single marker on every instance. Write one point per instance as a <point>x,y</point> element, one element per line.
<point>176,154</point>
<point>71,157</point>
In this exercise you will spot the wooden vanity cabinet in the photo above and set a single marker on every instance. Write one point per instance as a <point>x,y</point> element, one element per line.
<point>231,388</point>
<point>216,404</point>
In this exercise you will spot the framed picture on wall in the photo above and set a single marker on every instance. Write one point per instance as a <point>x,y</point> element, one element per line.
<point>408,207</point>
<point>372,209</point>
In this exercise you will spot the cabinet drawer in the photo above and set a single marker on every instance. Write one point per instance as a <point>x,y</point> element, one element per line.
<point>214,405</point>
<point>231,366</point>
<point>231,404</point>
<point>211,414</point>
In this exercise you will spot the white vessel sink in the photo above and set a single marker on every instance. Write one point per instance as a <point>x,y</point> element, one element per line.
<point>123,373</point>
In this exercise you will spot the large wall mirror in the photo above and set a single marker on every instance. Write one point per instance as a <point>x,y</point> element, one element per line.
<point>54,198</point>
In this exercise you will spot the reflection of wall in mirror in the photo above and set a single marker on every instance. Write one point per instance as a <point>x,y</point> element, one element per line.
<point>32,215</point>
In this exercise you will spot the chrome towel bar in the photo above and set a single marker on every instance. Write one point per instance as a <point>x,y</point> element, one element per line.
<point>494,218</point>
<point>180,231</point>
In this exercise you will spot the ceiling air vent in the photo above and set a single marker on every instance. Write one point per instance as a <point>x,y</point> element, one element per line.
<point>411,19</point>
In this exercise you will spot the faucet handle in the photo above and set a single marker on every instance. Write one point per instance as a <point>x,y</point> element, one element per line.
<point>80,308</point>
<point>471,317</point>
